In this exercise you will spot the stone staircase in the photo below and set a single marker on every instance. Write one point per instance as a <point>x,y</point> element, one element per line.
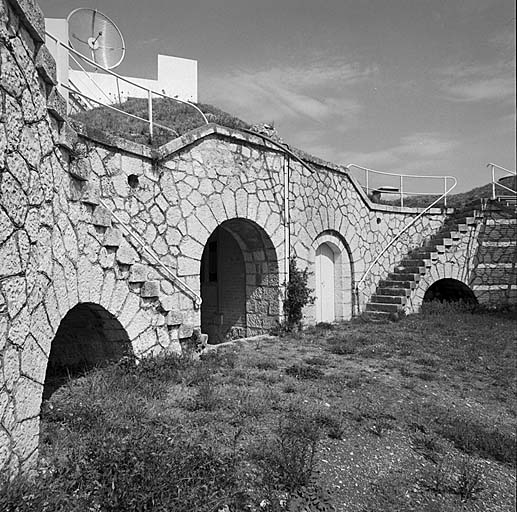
<point>123,249</point>
<point>495,265</point>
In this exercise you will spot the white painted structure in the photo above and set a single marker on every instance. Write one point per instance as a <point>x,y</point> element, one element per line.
<point>177,77</point>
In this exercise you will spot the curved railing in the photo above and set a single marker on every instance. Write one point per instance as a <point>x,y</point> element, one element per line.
<point>401,180</point>
<point>443,196</point>
<point>495,168</point>
<point>150,93</point>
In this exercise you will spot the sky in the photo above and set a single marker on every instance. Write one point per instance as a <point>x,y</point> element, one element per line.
<point>415,86</point>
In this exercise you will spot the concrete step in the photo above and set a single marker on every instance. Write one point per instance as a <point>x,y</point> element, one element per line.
<point>411,269</point>
<point>385,308</point>
<point>414,262</point>
<point>401,292</point>
<point>407,285</point>
<point>388,299</point>
<point>377,316</point>
<point>403,276</point>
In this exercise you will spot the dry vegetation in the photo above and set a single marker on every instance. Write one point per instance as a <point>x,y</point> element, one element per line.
<point>417,415</point>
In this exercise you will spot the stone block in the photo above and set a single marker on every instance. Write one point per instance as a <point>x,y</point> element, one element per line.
<point>32,17</point>
<point>150,289</point>
<point>90,195</point>
<point>56,105</point>
<point>67,137</point>
<point>101,217</point>
<point>185,331</point>
<point>80,169</point>
<point>168,302</point>
<point>139,274</point>
<point>175,318</point>
<point>112,238</point>
<point>46,65</point>
<point>126,255</point>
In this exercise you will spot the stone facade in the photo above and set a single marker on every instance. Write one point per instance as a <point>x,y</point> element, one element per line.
<point>102,236</point>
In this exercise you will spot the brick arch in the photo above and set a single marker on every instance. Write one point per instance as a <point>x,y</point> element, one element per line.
<point>239,281</point>
<point>345,274</point>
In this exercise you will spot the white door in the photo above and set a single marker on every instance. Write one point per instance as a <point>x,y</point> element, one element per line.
<point>325,284</point>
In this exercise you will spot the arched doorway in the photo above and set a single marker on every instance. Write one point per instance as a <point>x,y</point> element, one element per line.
<point>450,290</point>
<point>88,336</point>
<point>333,278</point>
<point>325,283</point>
<point>239,282</point>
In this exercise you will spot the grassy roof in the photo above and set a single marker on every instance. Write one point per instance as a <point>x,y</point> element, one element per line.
<point>180,118</point>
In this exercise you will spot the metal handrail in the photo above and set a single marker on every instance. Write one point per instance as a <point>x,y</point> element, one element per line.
<point>395,238</point>
<point>141,242</point>
<point>495,183</point>
<point>401,177</point>
<point>150,92</point>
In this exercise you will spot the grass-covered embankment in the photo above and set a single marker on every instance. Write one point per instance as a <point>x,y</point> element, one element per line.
<point>417,415</point>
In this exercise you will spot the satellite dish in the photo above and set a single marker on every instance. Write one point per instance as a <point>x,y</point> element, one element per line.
<point>95,36</point>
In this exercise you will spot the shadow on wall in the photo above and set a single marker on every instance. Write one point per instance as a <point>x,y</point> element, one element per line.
<point>88,336</point>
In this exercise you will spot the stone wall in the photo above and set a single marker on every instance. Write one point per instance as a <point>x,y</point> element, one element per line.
<point>118,230</point>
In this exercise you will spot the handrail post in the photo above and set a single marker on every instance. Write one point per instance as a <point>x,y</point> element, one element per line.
<point>367,188</point>
<point>150,109</point>
<point>401,190</point>
<point>493,182</point>
<point>445,192</point>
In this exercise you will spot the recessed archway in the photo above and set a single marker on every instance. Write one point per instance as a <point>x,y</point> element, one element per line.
<point>450,290</point>
<point>333,276</point>
<point>239,282</point>
<point>88,336</point>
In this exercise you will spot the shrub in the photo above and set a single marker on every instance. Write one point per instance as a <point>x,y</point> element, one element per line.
<point>298,295</point>
<point>471,436</point>
<point>304,372</point>
<point>287,460</point>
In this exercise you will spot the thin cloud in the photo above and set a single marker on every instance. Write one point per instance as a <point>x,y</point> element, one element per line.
<point>483,82</point>
<point>415,151</point>
<point>316,93</point>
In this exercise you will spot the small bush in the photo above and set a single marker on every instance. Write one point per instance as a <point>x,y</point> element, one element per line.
<point>298,295</point>
<point>332,422</point>
<point>316,361</point>
<point>473,437</point>
<point>288,460</point>
<point>304,372</point>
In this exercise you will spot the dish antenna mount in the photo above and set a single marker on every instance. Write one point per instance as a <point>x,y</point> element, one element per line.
<point>96,36</point>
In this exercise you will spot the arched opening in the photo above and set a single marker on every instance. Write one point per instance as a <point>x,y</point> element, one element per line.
<point>333,279</point>
<point>239,282</point>
<point>450,290</point>
<point>88,336</point>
